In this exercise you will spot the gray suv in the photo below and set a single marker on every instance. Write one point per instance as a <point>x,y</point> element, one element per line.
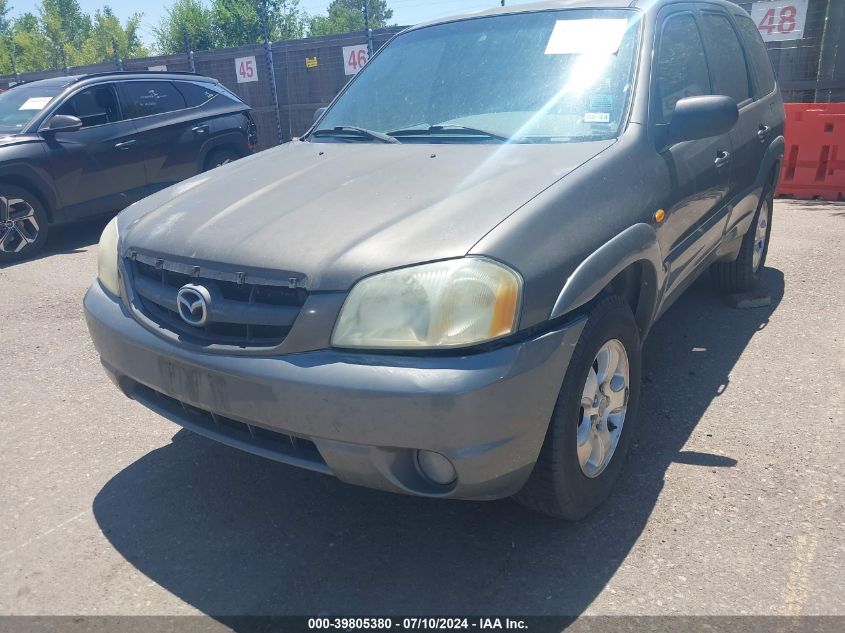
<point>443,287</point>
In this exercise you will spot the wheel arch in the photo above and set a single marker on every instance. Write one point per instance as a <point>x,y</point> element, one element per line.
<point>231,142</point>
<point>34,185</point>
<point>770,168</point>
<point>629,265</point>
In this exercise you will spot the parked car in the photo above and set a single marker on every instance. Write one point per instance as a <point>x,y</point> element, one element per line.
<point>443,288</point>
<point>81,146</point>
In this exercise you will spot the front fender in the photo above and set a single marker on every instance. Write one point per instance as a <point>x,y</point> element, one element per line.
<point>30,173</point>
<point>637,243</point>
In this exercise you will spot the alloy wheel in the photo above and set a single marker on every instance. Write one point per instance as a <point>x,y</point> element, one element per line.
<point>604,402</point>
<point>760,236</point>
<point>18,224</point>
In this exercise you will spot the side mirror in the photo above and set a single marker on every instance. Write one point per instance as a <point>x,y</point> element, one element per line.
<point>318,114</point>
<point>697,118</point>
<point>62,123</point>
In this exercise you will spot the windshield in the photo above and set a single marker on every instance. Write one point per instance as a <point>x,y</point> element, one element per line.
<point>19,105</point>
<point>549,76</point>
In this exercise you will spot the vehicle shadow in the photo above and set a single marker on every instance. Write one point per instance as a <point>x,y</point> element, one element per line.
<point>72,238</point>
<point>812,205</point>
<point>232,534</point>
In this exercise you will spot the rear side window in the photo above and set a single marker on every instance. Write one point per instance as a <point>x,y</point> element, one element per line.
<point>93,106</point>
<point>730,74</point>
<point>758,55</point>
<point>194,94</point>
<point>681,64</point>
<point>152,97</point>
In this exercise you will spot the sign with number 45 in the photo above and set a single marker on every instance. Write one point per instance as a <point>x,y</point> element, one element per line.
<point>354,58</point>
<point>780,20</point>
<point>246,70</point>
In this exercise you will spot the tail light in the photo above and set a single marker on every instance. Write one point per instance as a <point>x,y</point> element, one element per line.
<point>251,133</point>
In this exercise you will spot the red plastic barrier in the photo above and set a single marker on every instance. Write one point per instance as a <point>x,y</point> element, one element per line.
<point>814,161</point>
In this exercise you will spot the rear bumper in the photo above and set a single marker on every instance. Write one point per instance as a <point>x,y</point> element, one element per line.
<point>360,417</point>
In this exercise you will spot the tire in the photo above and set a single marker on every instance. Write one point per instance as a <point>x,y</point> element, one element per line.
<point>23,224</point>
<point>220,157</point>
<point>743,274</point>
<point>559,485</point>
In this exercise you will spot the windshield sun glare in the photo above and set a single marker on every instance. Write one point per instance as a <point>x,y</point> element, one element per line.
<point>546,76</point>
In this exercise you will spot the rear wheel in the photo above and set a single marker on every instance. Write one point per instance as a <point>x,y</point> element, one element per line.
<point>23,224</point>
<point>594,418</point>
<point>220,157</point>
<point>743,274</point>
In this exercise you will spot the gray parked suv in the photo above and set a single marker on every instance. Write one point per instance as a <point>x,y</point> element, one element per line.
<point>442,289</point>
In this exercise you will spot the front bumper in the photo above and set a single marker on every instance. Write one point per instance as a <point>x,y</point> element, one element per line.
<point>358,416</point>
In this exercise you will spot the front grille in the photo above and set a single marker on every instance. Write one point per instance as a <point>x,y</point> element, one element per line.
<point>270,444</point>
<point>243,314</point>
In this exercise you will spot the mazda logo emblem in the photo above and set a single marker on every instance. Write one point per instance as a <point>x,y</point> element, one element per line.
<point>192,303</point>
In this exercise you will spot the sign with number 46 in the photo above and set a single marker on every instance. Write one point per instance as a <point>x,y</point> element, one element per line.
<point>780,20</point>
<point>354,58</point>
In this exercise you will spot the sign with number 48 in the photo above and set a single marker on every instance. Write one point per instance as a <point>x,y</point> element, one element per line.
<point>354,58</point>
<point>780,20</point>
<point>246,70</point>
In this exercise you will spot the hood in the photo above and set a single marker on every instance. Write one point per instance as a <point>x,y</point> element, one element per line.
<point>332,213</point>
<point>8,138</point>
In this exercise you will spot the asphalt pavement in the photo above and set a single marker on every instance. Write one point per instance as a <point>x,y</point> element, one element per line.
<point>730,502</point>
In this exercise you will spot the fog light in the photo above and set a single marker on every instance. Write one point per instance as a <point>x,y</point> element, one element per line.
<point>436,467</point>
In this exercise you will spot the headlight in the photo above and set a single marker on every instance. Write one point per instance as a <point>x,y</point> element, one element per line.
<point>107,259</point>
<point>445,304</point>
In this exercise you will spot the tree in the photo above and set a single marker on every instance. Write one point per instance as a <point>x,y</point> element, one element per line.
<point>238,22</point>
<point>5,39</point>
<point>66,28</point>
<point>5,23</point>
<point>345,16</point>
<point>61,34</point>
<point>31,46</point>
<point>107,31</point>
<point>185,16</point>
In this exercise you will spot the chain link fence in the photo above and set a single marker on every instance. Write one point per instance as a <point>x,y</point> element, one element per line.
<point>811,68</point>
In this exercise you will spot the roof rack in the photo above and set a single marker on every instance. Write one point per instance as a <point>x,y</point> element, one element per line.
<point>118,73</point>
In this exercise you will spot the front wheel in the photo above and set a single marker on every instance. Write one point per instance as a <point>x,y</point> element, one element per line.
<point>594,418</point>
<point>23,224</point>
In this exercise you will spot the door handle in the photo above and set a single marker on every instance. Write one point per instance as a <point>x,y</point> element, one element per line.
<point>199,129</point>
<point>763,132</point>
<point>722,159</point>
<point>125,144</point>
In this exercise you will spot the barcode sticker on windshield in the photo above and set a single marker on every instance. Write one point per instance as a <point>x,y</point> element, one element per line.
<point>35,103</point>
<point>579,37</point>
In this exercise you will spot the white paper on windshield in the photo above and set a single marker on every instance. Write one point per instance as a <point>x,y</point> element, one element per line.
<point>35,103</point>
<point>580,37</point>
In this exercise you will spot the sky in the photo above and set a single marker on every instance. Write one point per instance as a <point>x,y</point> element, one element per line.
<point>405,12</point>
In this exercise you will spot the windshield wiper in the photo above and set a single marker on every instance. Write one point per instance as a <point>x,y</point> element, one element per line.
<point>457,130</point>
<point>338,130</point>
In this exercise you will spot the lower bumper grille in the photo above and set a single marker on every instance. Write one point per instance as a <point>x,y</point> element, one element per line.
<point>255,439</point>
